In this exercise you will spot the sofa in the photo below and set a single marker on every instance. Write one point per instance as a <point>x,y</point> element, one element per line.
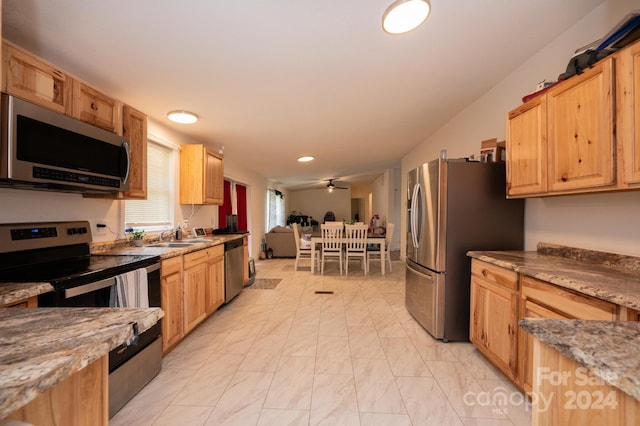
<point>281,241</point>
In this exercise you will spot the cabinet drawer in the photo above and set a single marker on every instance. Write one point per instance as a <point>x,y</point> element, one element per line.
<point>496,274</point>
<point>194,258</point>
<point>171,266</point>
<point>216,250</point>
<point>566,302</point>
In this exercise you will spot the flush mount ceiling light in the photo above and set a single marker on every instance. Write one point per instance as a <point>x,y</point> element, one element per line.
<point>405,15</point>
<point>183,117</point>
<point>305,158</point>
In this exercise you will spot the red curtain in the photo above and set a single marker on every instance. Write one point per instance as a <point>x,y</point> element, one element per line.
<point>226,208</point>
<point>241,197</point>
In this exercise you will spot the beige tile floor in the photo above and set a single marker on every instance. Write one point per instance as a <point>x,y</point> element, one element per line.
<point>289,356</point>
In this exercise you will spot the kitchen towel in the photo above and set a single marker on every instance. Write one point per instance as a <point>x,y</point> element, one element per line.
<point>132,290</point>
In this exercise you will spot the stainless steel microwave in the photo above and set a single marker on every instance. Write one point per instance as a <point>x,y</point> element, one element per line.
<point>45,150</point>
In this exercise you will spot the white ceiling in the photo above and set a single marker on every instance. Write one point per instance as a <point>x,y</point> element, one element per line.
<point>275,79</point>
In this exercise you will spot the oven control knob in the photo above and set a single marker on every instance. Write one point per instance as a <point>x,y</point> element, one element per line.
<point>71,231</point>
<point>82,230</point>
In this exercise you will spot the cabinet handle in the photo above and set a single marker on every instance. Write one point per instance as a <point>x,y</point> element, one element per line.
<point>94,106</point>
<point>564,178</point>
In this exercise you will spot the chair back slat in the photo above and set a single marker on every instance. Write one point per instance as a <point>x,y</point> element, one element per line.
<point>331,236</point>
<point>356,237</point>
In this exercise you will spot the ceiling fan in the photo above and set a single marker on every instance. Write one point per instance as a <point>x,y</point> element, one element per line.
<point>331,185</point>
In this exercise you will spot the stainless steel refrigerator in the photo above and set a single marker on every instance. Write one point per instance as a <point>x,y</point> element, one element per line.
<point>454,206</point>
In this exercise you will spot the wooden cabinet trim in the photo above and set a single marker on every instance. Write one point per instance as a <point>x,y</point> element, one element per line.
<point>566,302</point>
<point>496,274</point>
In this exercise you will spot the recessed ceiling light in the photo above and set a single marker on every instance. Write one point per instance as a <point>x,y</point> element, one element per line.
<point>405,15</point>
<point>183,117</point>
<point>305,158</point>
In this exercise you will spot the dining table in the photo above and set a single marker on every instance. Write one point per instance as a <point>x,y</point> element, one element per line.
<point>372,238</point>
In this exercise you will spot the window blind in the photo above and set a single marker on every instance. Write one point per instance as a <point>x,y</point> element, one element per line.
<point>156,209</point>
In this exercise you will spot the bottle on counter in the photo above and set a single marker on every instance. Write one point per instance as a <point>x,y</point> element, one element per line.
<point>178,233</point>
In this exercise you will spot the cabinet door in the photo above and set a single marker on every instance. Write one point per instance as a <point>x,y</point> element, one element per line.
<point>215,281</point>
<point>34,80</point>
<point>540,299</point>
<point>96,108</point>
<point>581,117</point>
<point>628,106</point>
<point>214,179</point>
<point>494,324</point>
<point>195,279</point>
<point>134,128</point>
<point>245,273</point>
<point>527,148</point>
<point>172,307</point>
<point>531,310</point>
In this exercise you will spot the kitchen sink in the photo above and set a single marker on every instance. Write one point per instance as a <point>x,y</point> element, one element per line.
<point>173,244</point>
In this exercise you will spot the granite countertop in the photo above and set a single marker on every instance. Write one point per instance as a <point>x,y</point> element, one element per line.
<point>14,292</point>
<point>42,347</point>
<point>611,277</point>
<point>167,252</point>
<point>609,349</point>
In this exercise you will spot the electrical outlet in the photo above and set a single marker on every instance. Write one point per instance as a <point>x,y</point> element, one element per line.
<point>101,228</point>
<point>185,224</point>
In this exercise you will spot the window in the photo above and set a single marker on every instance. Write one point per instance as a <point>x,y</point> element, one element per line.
<point>275,209</point>
<point>156,212</point>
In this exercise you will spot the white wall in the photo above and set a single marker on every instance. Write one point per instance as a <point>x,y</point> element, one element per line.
<point>600,222</point>
<point>317,202</point>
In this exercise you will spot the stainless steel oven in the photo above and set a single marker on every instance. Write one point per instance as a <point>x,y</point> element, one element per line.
<point>58,253</point>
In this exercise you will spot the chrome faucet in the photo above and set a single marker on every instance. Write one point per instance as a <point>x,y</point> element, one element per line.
<point>161,236</point>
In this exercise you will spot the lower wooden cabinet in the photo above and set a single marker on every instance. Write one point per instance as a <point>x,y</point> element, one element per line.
<point>245,274</point>
<point>214,290</point>
<point>192,289</point>
<point>80,399</point>
<point>494,315</point>
<point>540,299</point>
<point>171,284</point>
<point>578,399</point>
<point>501,297</point>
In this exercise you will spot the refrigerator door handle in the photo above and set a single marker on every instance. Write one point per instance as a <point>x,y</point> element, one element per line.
<point>414,215</point>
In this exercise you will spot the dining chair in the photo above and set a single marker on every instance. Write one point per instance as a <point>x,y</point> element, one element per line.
<point>356,245</point>
<point>303,252</point>
<point>373,253</point>
<point>331,243</point>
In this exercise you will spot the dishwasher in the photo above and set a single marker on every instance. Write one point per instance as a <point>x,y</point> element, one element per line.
<point>233,269</point>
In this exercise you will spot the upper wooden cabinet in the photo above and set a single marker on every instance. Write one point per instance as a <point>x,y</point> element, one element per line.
<point>134,128</point>
<point>628,106</point>
<point>527,148</point>
<point>563,141</point>
<point>580,123</point>
<point>96,108</point>
<point>201,175</point>
<point>35,80</point>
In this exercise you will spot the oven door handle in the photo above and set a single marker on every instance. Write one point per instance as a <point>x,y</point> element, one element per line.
<point>87,288</point>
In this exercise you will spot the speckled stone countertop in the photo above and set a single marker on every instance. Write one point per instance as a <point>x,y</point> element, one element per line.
<point>14,292</point>
<point>611,277</point>
<point>41,347</point>
<point>609,349</point>
<point>166,252</point>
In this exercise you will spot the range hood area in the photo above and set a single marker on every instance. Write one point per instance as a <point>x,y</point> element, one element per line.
<point>44,150</point>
